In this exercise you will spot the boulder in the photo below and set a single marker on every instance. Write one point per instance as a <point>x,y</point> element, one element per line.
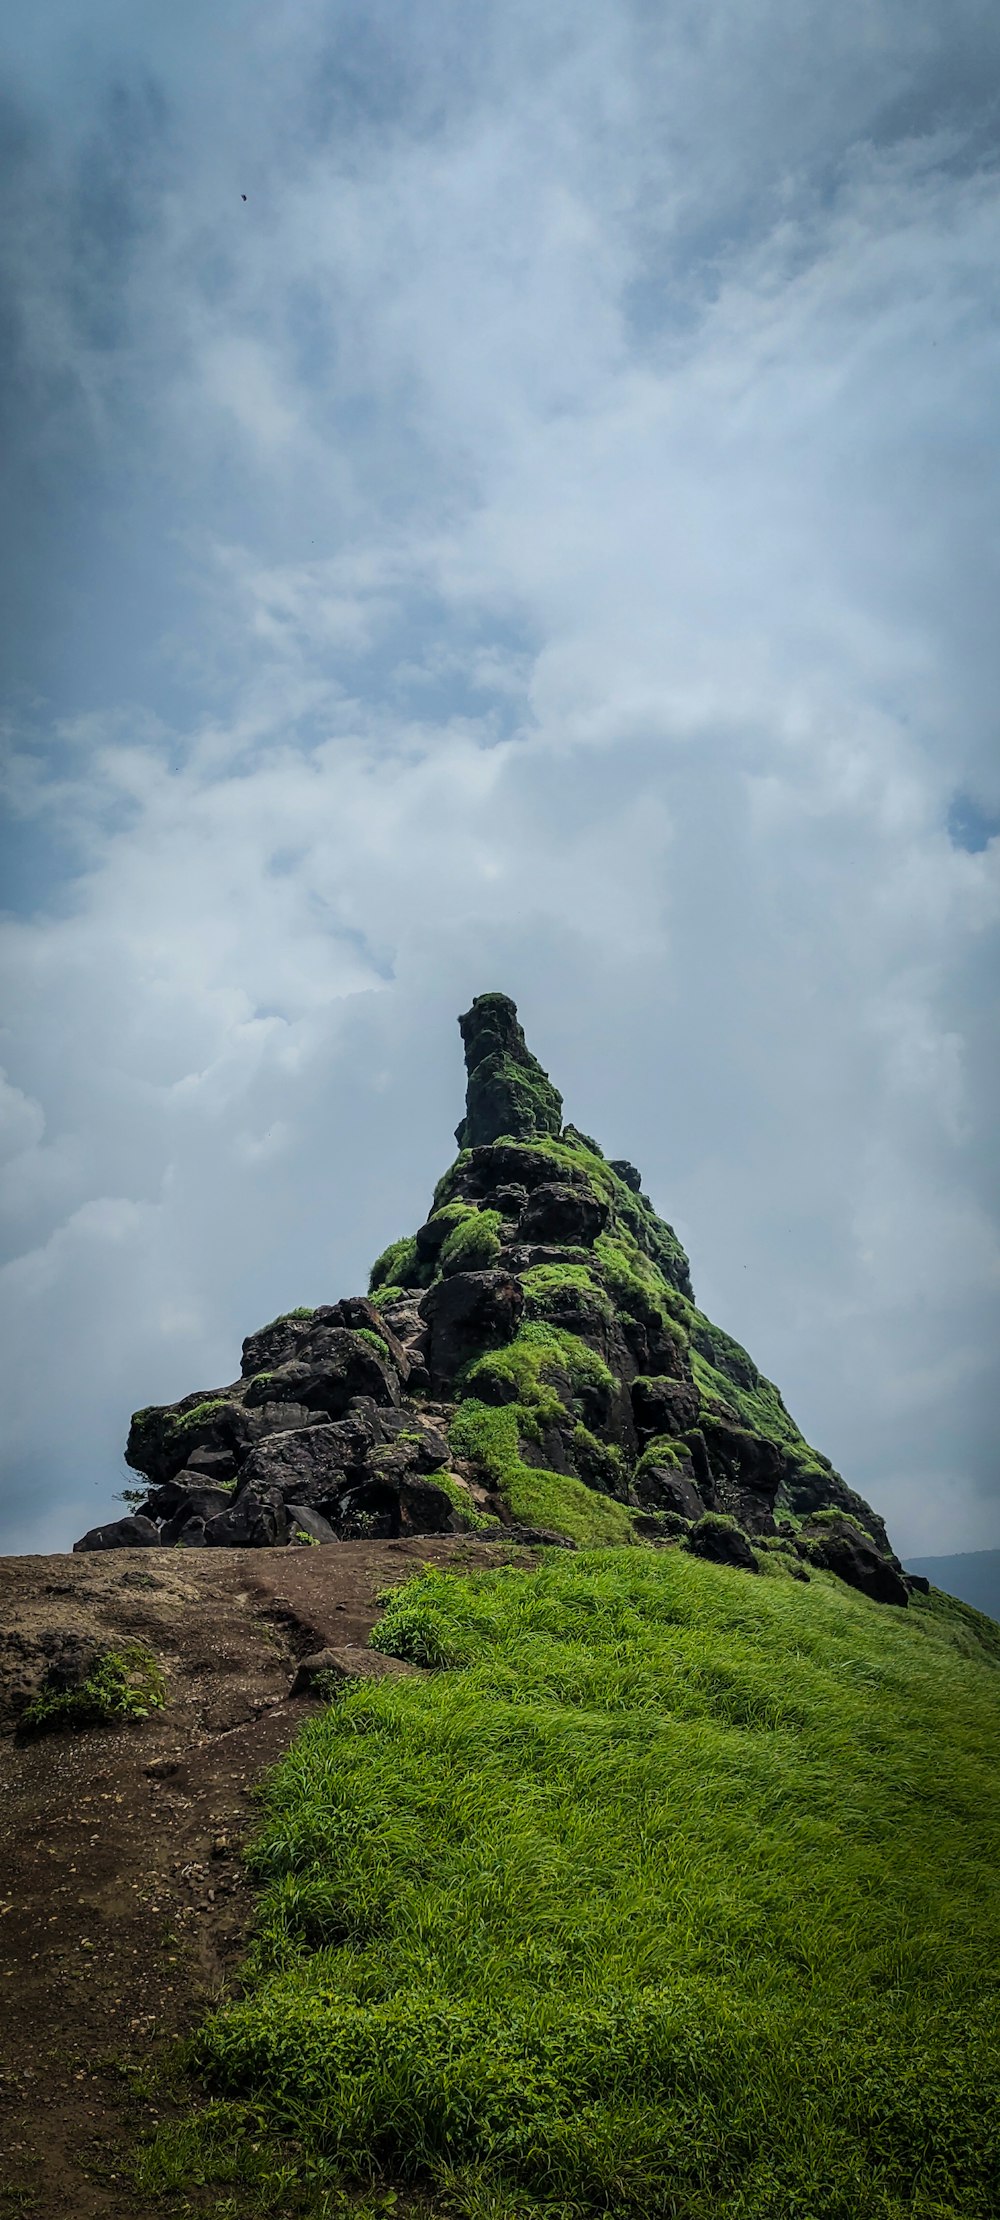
<point>667,1487</point>
<point>467,1315</point>
<point>343,1663</point>
<point>253,1521</point>
<point>854,1560</point>
<point>326,1377</point>
<point>722,1541</point>
<point>189,1536</point>
<point>164,1438</point>
<point>745,1470</point>
<point>311,1339</point>
<point>310,1464</point>
<point>663,1406</point>
<point>194,1503</point>
<point>308,1525</point>
<point>428,1442</point>
<point>207,1466</point>
<point>128,1533</point>
<point>561,1213</point>
<point>917,1583</point>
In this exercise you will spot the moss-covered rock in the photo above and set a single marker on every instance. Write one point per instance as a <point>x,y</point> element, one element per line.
<point>508,1091</point>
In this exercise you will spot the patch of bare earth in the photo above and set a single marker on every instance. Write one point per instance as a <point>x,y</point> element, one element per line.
<point>123,1902</point>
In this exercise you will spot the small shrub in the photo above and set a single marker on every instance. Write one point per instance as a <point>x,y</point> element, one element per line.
<point>398,1264</point>
<point>123,1684</point>
<point>375,1341</point>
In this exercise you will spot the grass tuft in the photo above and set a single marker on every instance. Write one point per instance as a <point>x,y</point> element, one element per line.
<point>123,1684</point>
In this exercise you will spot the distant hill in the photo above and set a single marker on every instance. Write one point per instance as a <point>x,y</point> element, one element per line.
<point>974,1577</point>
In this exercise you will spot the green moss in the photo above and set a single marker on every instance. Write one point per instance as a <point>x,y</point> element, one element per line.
<point>490,1438</point>
<point>473,1519</point>
<point>601,1464</point>
<point>524,1371</point>
<point>123,1684</point>
<point>473,1243</point>
<point>546,1285</point>
<point>199,1412</point>
<point>375,1341</point>
<point>835,1520</point>
<point>398,1263</point>
<point>448,1181</point>
<point>662,1451</point>
<point>380,1296</point>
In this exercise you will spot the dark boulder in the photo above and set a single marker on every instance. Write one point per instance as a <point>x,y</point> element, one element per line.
<point>163,1440</point>
<point>663,1406</point>
<point>253,1521</point>
<point>656,1351</point>
<point>305,1524</point>
<point>917,1583</point>
<point>189,1535</point>
<point>745,1468</point>
<point>489,1172</point>
<point>667,1487</point>
<point>127,1533</point>
<point>312,1340</point>
<point>722,1541</point>
<point>207,1467</point>
<point>427,1443</point>
<point>323,1670</point>
<point>399,1504</point>
<point>468,1314</point>
<point>310,1464</point>
<point>627,1172</point>
<point>199,1503</point>
<point>563,1214</point>
<point>850,1555</point>
<point>326,1378</point>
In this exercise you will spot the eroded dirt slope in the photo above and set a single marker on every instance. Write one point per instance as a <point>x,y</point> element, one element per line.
<point>123,1904</point>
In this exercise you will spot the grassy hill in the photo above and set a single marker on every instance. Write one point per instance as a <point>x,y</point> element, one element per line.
<point>665,1891</point>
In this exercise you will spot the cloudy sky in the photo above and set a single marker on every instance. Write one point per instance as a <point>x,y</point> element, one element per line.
<point>500,496</point>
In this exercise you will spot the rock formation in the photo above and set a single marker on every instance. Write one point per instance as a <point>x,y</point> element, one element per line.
<point>531,1359</point>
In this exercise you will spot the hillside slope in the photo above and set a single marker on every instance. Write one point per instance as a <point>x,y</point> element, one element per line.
<point>665,1892</point>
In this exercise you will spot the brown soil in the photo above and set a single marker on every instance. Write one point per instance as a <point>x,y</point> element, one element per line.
<point>123,1901</point>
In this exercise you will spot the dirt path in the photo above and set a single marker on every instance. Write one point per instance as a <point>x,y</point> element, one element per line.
<point>123,1903</point>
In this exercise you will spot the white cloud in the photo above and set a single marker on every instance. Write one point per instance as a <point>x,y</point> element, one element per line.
<point>579,468</point>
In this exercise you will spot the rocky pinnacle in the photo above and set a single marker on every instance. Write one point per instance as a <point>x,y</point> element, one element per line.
<point>508,1092</point>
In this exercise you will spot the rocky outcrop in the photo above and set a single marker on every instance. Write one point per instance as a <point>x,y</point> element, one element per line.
<point>531,1359</point>
<point>508,1091</point>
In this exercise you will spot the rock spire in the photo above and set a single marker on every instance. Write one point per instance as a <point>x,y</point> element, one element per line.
<point>508,1092</point>
<point>531,1362</point>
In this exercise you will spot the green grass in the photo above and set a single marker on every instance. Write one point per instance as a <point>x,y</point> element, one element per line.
<point>668,1892</point>
<point>543,1377</point>
<point>491,1439</point>
<point>123,1684</point>
<point>473,1243</point>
